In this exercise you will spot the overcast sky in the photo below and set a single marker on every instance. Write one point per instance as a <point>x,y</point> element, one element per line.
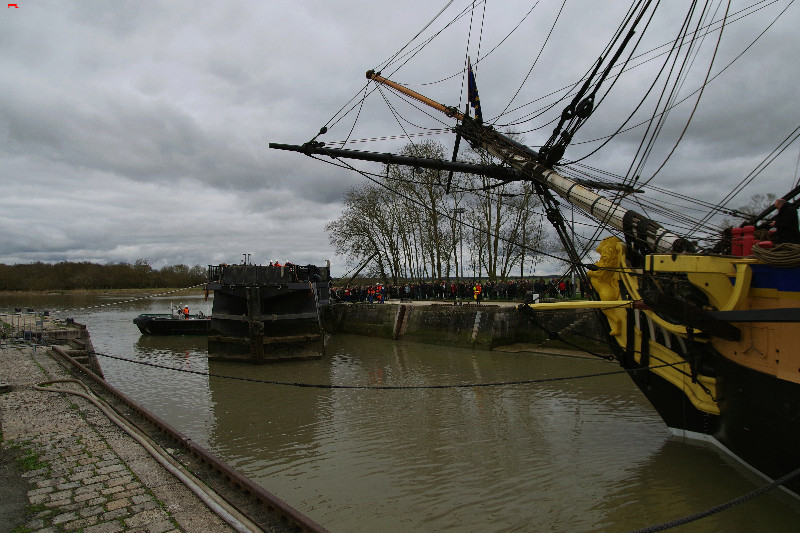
<point>139,130</point>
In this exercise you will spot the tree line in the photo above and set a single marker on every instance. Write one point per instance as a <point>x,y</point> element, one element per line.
<point>84,275</point>
<point>405,225</point>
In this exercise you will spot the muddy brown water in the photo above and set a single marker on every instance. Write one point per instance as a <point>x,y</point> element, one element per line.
<point>580,454</point>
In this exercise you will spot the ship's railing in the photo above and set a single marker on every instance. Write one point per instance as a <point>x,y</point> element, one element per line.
<point>214,273</point>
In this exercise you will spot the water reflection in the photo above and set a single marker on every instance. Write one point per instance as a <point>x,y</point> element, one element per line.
<point>147,345</point>
<point>685,477</point>
<point>574,455</point>
<point>499,452</point>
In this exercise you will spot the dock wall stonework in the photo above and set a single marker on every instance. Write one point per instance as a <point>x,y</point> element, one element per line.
<point>477,326</point>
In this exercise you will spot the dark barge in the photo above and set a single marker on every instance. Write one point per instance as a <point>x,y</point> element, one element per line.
<point>267,313</point>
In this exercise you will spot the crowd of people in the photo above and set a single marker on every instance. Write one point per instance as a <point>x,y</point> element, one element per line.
<point>511,290</point>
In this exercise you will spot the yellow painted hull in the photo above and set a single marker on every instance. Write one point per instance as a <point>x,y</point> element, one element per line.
<point>737,379</point>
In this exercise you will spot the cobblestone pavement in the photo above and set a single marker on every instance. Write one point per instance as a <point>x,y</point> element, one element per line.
<point>80,471</point>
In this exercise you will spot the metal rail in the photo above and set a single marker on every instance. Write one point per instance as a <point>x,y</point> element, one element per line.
<point>22,326</point>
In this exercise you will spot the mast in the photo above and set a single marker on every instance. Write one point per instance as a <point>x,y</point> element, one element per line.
<point>646,234</point>
<point>449,111</point>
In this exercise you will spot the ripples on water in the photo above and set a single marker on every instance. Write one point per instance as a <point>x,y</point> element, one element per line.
<point>575,455</point>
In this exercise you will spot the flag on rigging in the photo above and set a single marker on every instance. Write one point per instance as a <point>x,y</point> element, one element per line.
<point>472,93</point>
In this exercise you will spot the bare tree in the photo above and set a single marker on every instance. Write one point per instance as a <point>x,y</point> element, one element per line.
<point>363,229</point>
<point>420,231</point>
<point>508,229</point>
<point>756,204</point>
<point>423,192</point>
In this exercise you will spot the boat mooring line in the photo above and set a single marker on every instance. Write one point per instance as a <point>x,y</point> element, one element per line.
<point>611,357</point>
<point>385,387</point>
<point>558,336</point>
<point>721,507</point>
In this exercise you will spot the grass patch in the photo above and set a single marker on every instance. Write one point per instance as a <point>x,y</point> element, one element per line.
<point>30,460</point>
<point>31,512</point>
<point>35,508</point>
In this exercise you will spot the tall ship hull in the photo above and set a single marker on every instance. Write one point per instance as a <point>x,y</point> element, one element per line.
<point>722,363</point>
<point>267,313</point>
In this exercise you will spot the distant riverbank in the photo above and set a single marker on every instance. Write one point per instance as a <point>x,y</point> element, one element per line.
<point>105,292</point>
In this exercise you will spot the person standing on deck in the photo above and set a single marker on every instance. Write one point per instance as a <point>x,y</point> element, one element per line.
<point>785,223</point>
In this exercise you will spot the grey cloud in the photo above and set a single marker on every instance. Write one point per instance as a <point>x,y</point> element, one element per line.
<point>148,123</point>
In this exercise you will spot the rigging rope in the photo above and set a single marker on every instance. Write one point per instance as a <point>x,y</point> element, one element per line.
<point>658,120</point>
<point>647,146</point>
<point>395,114</point>
<point>730,63</point>
<point>339,116</point>
<point>453,218</point>
<point>759,168</point>
<point>699,96</point>
<point>463,71</point>
<point>413,103</point>
<point>358,115</point>
<point>466,61</point>
<point>480,36</point>
<point>682,220</point>
<point>797,170</point>
<point>535,61</point>
<point>389,61</point>
<point>419,47</point>
<point>745,12</point>
<point>784,255</point>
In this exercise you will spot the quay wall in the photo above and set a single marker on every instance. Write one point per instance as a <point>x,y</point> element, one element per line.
<point>476,326</point>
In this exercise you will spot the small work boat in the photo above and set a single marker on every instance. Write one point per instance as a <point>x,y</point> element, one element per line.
<point>175,323</point>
